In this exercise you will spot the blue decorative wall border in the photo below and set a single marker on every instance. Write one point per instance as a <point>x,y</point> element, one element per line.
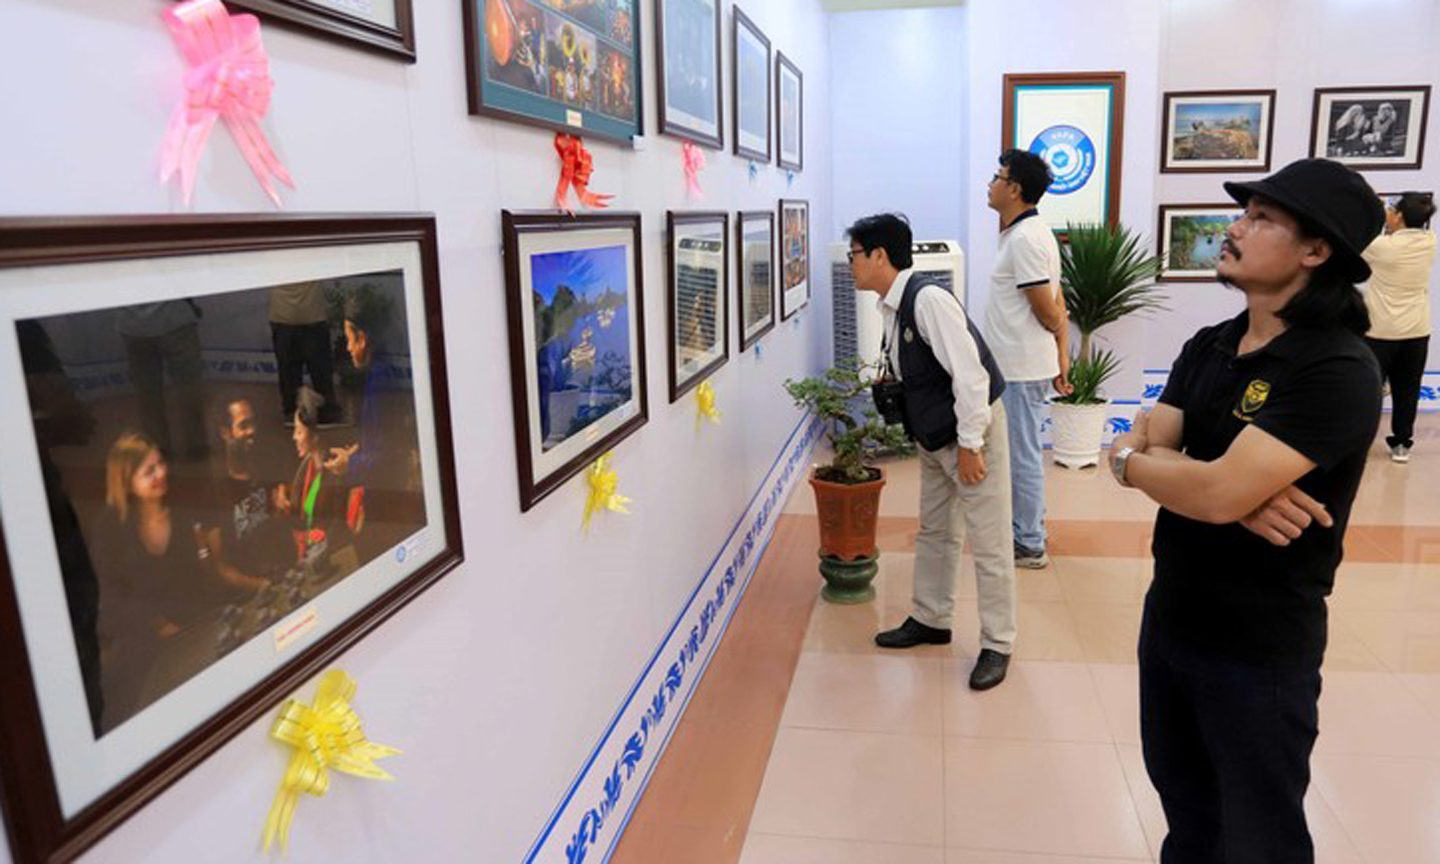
<point>599,802</point>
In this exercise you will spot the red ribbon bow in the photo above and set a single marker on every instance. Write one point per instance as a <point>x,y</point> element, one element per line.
<point>229,78</point>
<point>694,164</point>
<point>576,168</point>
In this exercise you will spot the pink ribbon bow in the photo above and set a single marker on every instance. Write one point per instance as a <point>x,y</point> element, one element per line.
<point>229,77</point>
<point>694,164</point>
<point>576,166</point>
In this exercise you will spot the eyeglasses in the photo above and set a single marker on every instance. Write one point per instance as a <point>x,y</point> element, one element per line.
<point>850,256</point>
<point>997,176</point>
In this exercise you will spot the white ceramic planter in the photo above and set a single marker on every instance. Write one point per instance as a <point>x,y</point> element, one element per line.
<point>1075,433</point>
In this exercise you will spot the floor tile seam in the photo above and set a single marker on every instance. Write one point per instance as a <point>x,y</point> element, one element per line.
<point>1049,854</point>
<point>887,733</point>
<point>855,841</point>
<point>1015,739</point>
<point>1104,714</point>
<point>1338,819</point>
<point>1131,791</point>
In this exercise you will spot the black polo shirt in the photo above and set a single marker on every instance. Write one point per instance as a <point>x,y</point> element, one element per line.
<point>1220,586</point>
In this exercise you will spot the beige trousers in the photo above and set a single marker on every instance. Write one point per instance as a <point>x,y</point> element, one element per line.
<point>948,509</point>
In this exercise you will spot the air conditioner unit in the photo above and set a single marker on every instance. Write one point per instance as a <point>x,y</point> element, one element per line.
<point>857,320</point>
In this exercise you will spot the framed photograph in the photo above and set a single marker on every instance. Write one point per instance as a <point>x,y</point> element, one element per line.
<point>687,34</point>
<point>750,89</point>
<point>1189,237</point>
<point>577,347</point>
<point>1075,121</point>
<point>699,323</point>
<point>386,26</point>
<point>794,257</point>
<point>202,504</point>
<point>1391,199</point>
<point>1215,131</point>
<point>568,65</point>
<point>755,257</point>
<point>789,113</point>
<point>1371,128</point>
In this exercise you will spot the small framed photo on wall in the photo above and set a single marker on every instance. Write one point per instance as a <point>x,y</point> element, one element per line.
<point>794,257</point>
<point>576,314</point>
<point>386,26</point>
<point>1190,237</point>
<point>1215,131</point>
<point>1371,128</point>
<point>755,255</point>
<point>750,82</point>
<point>687,34</point>
<point>699,321</point>
<point>790,113</point>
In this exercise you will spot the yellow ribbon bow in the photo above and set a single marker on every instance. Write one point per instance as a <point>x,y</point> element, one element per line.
<point>602,481</point>
<point>705,404</point>
<point>325,735</point>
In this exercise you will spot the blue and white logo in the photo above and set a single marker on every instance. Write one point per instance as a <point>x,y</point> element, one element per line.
<point>1070,154</point>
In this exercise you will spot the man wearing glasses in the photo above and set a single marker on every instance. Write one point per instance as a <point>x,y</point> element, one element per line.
<point>1027,327</point>
<point>951,407</point>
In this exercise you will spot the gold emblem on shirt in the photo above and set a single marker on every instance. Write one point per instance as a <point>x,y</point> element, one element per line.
<point>1253,400</point>
<point>909,335</point>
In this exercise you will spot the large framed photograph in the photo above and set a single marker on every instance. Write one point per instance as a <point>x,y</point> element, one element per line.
<point>1189,237</point>
<point>229,459</point>
<point>789,113</point>
<point>568,65</point>
<point>699,323</point>
<point>1371,128</point>
<point>750,89</point>
<point>794,257</point>
<point>577,349</point>
<point>687,34</point>
<point>1212,131</point>
<point>1075,121</point>
<point>386,26</point>
<point>755,258</point>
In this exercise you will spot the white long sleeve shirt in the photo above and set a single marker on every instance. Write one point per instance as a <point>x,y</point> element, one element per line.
<point>941,322</point>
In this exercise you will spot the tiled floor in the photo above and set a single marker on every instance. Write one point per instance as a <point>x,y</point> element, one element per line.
<point>806,744</point>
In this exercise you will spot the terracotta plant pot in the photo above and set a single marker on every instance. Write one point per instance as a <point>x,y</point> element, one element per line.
<point>848,513</point>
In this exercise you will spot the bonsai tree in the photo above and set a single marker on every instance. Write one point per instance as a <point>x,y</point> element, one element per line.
<point>857,431</point>
<point>1106,275</point>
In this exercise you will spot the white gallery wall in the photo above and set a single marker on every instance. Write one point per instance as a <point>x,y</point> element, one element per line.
<point>498,681</point>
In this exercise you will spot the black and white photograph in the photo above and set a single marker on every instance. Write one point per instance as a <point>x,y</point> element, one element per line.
<point>1371,128</point>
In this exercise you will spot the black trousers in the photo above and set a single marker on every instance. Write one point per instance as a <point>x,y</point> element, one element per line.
<point>1402,363</point>
<point>176,356</point>
<point>299,347</point>
<point>1227,745</point>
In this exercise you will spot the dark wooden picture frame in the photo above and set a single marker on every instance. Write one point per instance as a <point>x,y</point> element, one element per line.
<point>536,480</point>
<point>1162,232</point>
<point>670,122</point>
<point>1365,138</point>
<point>787,310</point>
<point>336,24</point>
<point>42,828</point>
<point>743,23</point>
<point>518,103</point>
<point>676,304</point>
<point>742,278</point>
<point>1116,149</point>
<point>784,65</point>
<point>1264,143</point>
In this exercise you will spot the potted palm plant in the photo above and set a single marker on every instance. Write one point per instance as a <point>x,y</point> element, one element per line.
<point>847,490</point>
<point>1106,274</point>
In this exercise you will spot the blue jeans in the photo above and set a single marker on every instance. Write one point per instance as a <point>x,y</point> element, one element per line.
<point>1025,406</point>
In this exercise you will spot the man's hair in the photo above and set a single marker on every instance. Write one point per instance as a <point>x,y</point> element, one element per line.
<point>1330,298</point>
<point>888,231</point>
<point>1028,170</point>
<point>364,313</point>
<point>222,416</point>
<point>1416,208</point>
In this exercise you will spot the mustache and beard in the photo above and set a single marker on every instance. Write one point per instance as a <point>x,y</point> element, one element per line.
<point>1227,245</point>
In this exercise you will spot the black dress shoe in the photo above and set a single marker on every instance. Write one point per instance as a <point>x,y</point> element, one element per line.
<point>912,633</point>
<point>989,669</point>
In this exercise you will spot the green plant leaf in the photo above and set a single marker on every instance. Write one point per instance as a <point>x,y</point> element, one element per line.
<point>1106,274</point>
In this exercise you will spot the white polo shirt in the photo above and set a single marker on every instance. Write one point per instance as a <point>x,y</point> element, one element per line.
<point>1029,259</point>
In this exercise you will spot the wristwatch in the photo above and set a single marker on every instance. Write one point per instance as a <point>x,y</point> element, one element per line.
<point>1118,462</point>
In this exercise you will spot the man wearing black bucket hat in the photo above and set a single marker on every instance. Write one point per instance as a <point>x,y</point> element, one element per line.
<point>1254,453</point>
